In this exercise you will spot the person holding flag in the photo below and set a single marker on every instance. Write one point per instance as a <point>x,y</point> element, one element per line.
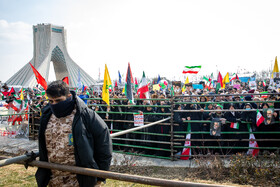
<point>234,118</point>
<point>247,116</point>
<point>267,114</point>
<point>179,118</point>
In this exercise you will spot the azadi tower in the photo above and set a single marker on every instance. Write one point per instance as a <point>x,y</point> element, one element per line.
<point>50,45</point>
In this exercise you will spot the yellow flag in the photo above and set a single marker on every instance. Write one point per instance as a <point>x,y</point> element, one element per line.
<point>183,89</point>
<point>275,69</point>
<point>106,84</point>
<point>156,87</point>
<point>21,95</point>
<point>187,80</point>
<point>226,80</point>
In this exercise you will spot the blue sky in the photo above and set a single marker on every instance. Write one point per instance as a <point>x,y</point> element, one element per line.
<point>155,36</point>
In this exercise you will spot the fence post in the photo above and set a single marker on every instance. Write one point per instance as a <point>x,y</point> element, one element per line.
<point>172,129</point>
<point>33,125</point>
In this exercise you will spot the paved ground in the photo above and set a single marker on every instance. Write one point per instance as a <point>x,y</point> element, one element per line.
<point>20,146</point>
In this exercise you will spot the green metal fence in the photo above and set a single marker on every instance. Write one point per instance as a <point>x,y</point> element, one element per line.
<point>167,139</point>
<point>168,143</point>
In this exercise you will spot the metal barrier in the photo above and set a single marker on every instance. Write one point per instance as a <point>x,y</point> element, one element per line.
<point>164,140</point>
<point>107,174</point>
<point>174,139</point>
<point>27,161</point>
<point>171,142</point>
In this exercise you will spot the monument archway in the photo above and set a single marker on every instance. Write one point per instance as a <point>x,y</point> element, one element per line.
<point>50,46</point>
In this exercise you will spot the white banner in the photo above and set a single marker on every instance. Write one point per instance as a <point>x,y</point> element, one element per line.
<point>138,119</point>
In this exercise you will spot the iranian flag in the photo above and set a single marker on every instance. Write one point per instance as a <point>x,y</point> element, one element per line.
<point>264,96</point>
<point>15,105</point>
<point>208,82</point>
<point>136,84</point>
<point>25,109</point>
<point>234,76</point>
<point>264,83</point>
<point>260,118</point>
<point>234,125</point>
<point>187,150</point>
<point>191,69</point>
<point>143,90</point>
<point>17,118</point>
<point>252,144</point>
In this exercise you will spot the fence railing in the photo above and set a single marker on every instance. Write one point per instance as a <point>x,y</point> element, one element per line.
<point>168,139</point>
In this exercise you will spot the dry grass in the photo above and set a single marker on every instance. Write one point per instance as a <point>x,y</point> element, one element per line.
<point>208,172</point>
<point>16,175</point>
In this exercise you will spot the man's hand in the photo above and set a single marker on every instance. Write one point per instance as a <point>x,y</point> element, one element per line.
<point>223,120</point>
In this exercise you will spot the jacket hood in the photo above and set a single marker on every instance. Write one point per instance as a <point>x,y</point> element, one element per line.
<point>80,104</point>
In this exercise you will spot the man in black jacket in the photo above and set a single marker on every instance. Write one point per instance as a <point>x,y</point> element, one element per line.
<point>72,134</point>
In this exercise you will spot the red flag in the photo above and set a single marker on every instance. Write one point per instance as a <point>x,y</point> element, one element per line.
<point>5,93</point>
<point>39,78</point>
<point>220,80</point>
<point>9,93</point>
<point>187,151</point>
<point>85,88</point>
<point>253,144</point>
<point>66,80</point>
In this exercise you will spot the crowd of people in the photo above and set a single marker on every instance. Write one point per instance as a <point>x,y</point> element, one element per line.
<point>155,140</point>
<point>200,101</point>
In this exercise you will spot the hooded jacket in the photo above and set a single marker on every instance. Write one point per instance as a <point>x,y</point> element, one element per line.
<point>91,140</point>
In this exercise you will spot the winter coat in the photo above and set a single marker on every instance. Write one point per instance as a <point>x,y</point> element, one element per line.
<point>92,143</point>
